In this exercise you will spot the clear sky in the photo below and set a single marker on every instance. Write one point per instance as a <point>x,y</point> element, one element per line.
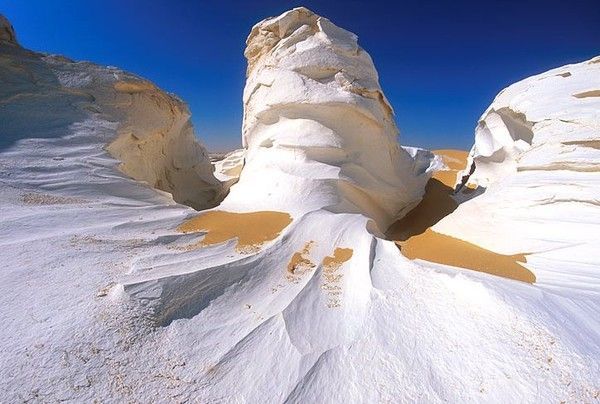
<point>440,62</point>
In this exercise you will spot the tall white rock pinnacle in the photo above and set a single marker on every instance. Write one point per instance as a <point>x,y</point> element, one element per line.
<point>315,117</point>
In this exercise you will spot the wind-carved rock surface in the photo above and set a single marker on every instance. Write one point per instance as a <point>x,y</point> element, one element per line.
<point>321,147</point>
<point>312,103</point>
<point>537,153</point>
<point>146,129</point>
<point>285,292</point>
<point>156,144</point>
<point>537,124</point>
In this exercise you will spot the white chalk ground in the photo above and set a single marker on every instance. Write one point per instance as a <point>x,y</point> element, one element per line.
<point>98,302</point>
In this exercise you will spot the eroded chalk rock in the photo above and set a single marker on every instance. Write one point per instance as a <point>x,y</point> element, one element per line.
<point>315,118</point>
<point>537,124</point>
<point>536,153</point>
<point>149,130</point>
<point>111,291</point>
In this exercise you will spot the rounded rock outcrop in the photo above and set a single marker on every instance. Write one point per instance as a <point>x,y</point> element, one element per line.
<point>7,32</point>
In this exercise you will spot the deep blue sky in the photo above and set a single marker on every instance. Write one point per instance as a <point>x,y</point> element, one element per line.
<point>440,62</point>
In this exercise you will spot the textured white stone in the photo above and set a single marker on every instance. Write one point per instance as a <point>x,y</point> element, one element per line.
<point>316,117</point>
<point>538,123</point>
<point>537,153</point>
<point>146,129</point>
<point>102,301</point>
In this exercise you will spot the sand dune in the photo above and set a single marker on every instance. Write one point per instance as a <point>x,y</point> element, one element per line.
<point>416,240</point>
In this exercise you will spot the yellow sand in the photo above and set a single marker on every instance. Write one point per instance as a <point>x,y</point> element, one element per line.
<point>331,276</point>
<point>435,205</point>
<point>456,160</point>
<point>416,240</point>
<point>586,94</point>
<point>234,171</point>
<point>251,229</point>
<point>300,263</point>
<point>443,249</point>
<point>340,255</point>
<point>437,201</point>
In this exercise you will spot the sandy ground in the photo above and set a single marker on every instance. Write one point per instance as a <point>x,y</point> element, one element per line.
<point>416,240</point>
<point>333,274</point>
<point>300,262</point>
<point>251,229</point>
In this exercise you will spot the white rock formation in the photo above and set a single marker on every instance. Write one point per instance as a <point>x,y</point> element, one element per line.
<point>104,299</point>
<point>537,124</point>
<point>537,151</point>
<point>146,129</point>
<point>325,152</point>
<point>315,117</point>
<point>157,144</point>
<point>229,167</point>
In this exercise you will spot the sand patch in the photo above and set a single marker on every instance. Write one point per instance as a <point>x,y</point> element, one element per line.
<point>300,264</point>
<point>332,275</point>
<point>133,86</point>
<point>415,238</point>
<point>436,204</point>
<point>443,249</point>
<point>456,160</point>
<point>251,229</point>
<point>437,201</point>
<point>586,94</point>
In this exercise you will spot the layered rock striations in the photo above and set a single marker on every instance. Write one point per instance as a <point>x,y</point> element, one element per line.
<point>538,123</point>
<point>536,154</point>
<point>317,120</point>
<point>156,144</point>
